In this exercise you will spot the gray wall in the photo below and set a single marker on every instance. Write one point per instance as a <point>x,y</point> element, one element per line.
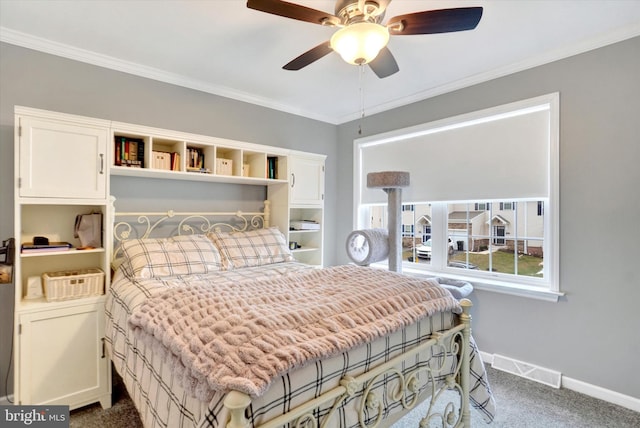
<point>38,80</point>
<point>590,335</point>
<point>593,333</point>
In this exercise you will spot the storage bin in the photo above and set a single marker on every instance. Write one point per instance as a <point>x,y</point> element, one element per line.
<point>224,166</point>
<point>73,284</point>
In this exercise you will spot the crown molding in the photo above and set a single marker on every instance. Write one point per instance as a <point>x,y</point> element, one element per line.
<point>535,61</point>
<point>70,52</point>
<point>59,49</point>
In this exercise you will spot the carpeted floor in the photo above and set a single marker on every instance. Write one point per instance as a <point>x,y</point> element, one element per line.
<point>521,403</point>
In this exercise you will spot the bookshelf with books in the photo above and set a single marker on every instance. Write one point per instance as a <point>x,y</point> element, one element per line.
<point>272,167</point>
<point>199,159</point>
<point>166,154</point>
<point>177,155</point>
<point>129,152</point>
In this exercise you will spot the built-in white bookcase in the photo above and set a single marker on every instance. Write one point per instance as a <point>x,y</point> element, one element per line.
<point>62,168</point>
<point>226,161</point>
<point>61,171</point>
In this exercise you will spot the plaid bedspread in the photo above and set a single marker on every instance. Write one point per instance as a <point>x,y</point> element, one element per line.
<point>162,402</point>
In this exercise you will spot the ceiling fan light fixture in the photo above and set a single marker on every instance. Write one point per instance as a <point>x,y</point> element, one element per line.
<point>361,42</point>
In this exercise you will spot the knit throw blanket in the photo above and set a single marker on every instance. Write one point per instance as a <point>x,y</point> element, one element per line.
<point>221,337</point>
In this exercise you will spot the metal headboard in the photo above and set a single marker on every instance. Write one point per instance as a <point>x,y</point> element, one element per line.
<point>142,225</point>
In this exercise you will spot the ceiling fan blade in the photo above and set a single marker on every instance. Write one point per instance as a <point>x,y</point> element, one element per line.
<point>384,64</point>
<point>436,21</point>
<point>309,56</point>
<point>293,11</point>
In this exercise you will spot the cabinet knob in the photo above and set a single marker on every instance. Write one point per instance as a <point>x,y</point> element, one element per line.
<point>101,163</point>
<point>293,179</point>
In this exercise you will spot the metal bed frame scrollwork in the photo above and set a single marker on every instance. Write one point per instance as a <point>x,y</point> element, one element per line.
<point>142,225</point>
<point>456,340</point>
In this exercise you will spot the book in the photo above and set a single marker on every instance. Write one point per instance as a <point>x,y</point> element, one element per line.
<point>304,225</point>
<point>140,155</point>
<point>200,170</point>
<point>175,161</point>
<point>272,167</point>
<point>30,247</point>
<point>195,159</point>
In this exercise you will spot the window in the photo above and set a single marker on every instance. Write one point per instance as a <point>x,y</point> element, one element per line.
<point>407,230</point>
<point>426,233</point>
<point>493,222</point>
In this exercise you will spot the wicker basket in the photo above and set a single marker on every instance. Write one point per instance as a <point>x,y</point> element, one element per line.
<point>73,284</point>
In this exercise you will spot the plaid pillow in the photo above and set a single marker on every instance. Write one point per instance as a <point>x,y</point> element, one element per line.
<point>253,248</point>
<point>180,255</point>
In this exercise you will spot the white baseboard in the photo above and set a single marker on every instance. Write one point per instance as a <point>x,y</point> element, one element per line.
<point>486,358</point>
<point>585,388</point>
<point>601,393</point>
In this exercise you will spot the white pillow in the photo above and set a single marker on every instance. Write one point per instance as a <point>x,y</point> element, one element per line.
<point>180,255</point>
<point>252,248</point>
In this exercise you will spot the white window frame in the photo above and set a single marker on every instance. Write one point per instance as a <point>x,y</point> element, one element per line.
<point>547,288</point>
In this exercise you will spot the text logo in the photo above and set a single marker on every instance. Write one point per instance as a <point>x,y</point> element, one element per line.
<point>34,416</point>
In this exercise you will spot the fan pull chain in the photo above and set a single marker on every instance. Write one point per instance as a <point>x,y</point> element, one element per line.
<point>360,81</point>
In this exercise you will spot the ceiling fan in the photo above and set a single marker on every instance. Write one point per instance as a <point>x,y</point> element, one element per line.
<point>362,38</point>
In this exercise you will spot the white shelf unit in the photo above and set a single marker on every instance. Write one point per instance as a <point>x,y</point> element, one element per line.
<point>54,220</point>
<point>58,345</point>
<point>302,199</point>
<point>219,160</point>
<point>309,242</point>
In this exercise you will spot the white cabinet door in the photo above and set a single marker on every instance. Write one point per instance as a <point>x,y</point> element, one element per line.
<point>306,181</point>
<point>61,159</point>
<point>62,359</point>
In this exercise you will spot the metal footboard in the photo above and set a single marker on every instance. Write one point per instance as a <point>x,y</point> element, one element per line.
<point>447,414</point>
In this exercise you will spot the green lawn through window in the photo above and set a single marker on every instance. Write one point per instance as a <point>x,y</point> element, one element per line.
<point>502,261</point>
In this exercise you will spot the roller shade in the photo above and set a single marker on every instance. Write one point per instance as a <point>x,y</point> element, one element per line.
<point>494,154</point>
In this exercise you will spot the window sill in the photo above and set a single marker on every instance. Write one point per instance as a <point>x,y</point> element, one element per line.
<point>502,287</point>
<point>520,290</point>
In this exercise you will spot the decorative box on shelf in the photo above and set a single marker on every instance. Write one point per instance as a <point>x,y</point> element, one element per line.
<point>73,284</point>
<point>224,166</point>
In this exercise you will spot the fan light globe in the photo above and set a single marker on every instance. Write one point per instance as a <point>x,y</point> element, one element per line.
<point>360,43</point>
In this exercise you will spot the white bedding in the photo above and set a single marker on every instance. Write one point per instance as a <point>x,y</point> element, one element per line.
<point>162,401</point>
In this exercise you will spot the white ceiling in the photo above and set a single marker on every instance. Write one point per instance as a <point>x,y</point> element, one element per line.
<point>221,47</point>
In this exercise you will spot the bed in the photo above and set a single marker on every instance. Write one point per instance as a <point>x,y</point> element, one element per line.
<point>364,361</point>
